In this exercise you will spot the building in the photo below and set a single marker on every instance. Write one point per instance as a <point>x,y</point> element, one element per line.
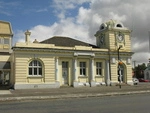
<point>6,35</point>
<point>59,61</point>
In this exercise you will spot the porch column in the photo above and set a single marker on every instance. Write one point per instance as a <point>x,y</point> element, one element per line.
<point>93,83</point>
<point>57,72</point>
<point>75,70</point>
<point>56,64</point>
<point>75,83</point>
<point>108,82</point>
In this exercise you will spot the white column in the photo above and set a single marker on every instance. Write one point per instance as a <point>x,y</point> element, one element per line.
<point>56,69</point>
<point>108,73</point>
<point>75,70</point>
<point>93,83</point>
<point>92,69</point>
<point>75,82</point>
<point>57,84</point>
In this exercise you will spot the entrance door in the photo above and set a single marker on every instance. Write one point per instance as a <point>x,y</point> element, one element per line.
<point>64,72</point>
<point>121,73</point>
<point>4,77</point>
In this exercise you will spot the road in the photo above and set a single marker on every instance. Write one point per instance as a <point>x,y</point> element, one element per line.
<point>110,104</point>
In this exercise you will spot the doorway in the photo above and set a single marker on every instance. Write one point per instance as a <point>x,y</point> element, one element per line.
<point>4,78</point>
<point>121,72</point>
<point>64,73</point>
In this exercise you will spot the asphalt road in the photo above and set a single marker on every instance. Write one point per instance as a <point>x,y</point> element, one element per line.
<point>110,104</point>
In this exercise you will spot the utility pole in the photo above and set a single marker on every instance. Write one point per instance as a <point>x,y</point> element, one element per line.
<point>134,63</point>
<point>119,70</point>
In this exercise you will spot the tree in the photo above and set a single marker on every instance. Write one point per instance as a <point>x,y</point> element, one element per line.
<point>139,70</point>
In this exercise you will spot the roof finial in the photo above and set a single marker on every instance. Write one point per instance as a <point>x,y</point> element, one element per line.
<point>27,34</point>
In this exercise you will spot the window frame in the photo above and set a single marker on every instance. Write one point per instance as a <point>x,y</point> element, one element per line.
<point>35,68</point>
<point>99,68</point>
<point>4,41</point>
<point>1,40</point>
<point>82,68</point>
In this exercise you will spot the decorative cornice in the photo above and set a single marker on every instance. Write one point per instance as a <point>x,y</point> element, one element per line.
<point>84,53</point>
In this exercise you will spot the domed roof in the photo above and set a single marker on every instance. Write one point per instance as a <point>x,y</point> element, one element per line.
<point>111,24</point>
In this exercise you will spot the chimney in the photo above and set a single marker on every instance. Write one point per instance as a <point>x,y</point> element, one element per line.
<point>27,38</point>
<point>35,41</point>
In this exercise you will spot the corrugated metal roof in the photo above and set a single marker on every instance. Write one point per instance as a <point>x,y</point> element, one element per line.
<point>66,41</point>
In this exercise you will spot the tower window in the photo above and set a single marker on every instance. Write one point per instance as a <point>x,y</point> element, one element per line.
<point>118,25</point>
<point>102,27</point>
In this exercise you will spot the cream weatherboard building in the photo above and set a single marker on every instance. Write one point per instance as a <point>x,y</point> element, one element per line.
<point>6,35</point>
<point>59,61</point>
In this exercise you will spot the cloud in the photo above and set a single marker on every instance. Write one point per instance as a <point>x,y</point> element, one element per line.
<point>139,46</point>
<point>141,57</point>
<point>68,4</point>
<point>61,7</point>
<point>60,29</point>
<point>19,36</point>
<point>42,10</point>
<point>117,17</point>
<point>6,7</point>
<point>5,13</point>
<point>133,14</point>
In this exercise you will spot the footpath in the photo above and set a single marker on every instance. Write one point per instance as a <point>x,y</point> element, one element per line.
<point>70,92</point>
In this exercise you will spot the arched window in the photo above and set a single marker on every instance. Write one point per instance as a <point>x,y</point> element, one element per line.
<point>119,25</point>
<point>102,27</point>
<point>35,68</point>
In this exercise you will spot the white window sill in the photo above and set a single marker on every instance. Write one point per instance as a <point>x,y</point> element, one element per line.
<point>34,76</point>
<point>83,76</point>
<point>99,76</point>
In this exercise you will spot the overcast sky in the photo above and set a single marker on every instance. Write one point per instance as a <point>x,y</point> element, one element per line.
<point>79,19</point>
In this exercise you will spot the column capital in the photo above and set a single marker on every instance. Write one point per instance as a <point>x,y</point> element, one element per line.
<point>92,57</point>
<point>56,57</point>
<point>75,57</point>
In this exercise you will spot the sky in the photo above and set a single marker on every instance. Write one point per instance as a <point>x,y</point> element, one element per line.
<point>78,19</point>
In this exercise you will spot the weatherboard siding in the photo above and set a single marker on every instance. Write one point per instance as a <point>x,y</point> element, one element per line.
<point>112,41</point>
<point>49,69</point>
<point>114,73</point>
<point>127,43</point>
<point>21,70</point>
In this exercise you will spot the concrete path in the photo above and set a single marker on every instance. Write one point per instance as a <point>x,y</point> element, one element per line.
<point>70,92</point>
<point>5,92</point>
